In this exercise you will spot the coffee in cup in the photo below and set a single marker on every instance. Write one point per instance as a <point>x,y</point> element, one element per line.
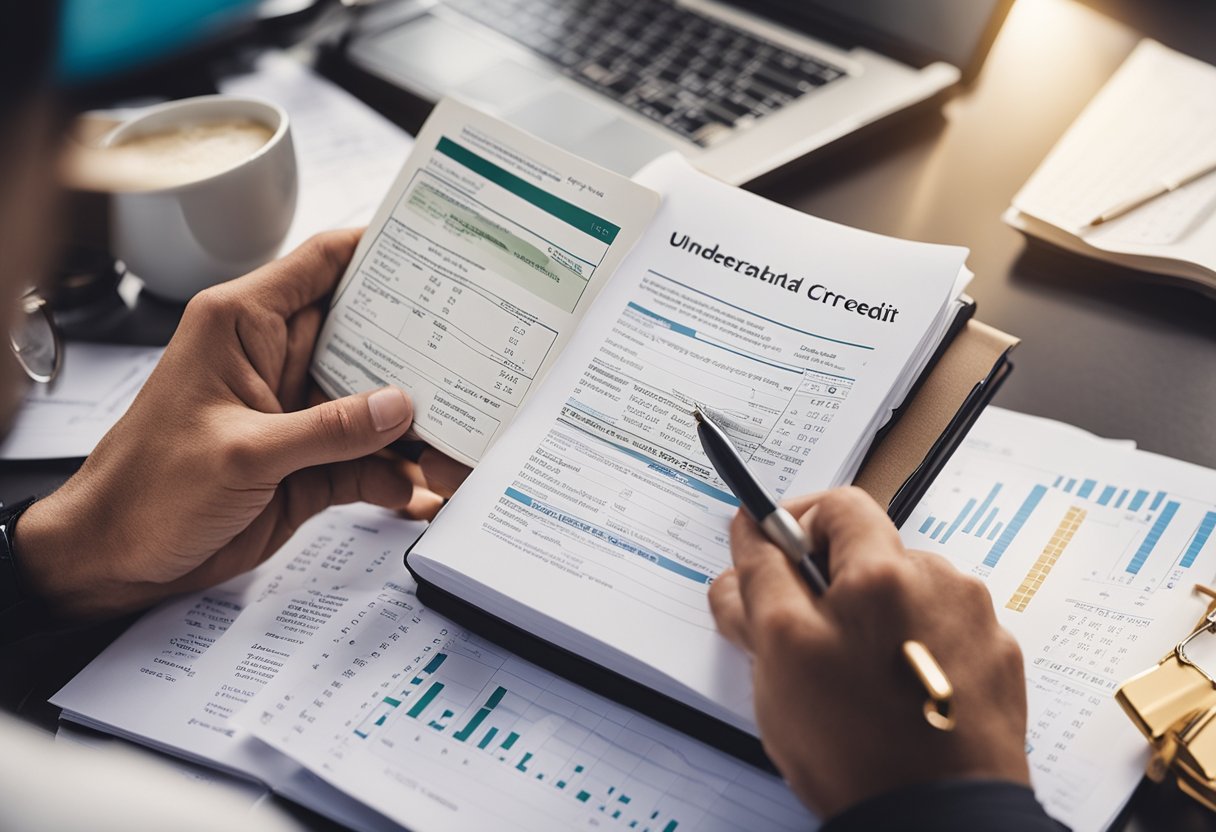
<point>205,191</point>
<point>183,154</point>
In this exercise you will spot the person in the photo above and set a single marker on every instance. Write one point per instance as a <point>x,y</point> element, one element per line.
<point>223,454</point>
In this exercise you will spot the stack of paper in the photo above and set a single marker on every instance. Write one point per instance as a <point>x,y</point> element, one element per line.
<point>322,676</point>
<point>1153,123</point>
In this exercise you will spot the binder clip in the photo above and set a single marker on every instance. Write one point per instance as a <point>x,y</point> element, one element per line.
<point>1174,707</point>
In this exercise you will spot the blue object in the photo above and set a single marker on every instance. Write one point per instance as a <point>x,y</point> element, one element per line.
<point>1015,525</point>
<point>1150,540</point>
<point>98,38</point>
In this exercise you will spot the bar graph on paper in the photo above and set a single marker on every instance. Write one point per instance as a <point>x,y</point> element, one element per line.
<point>1162,534</point>
<point>448,697</point>
<point>470,705</point>
<point>1090,551</point>
<point>413,716</point>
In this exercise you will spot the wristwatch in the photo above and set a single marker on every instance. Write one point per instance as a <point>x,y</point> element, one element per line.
<point>12,594</point>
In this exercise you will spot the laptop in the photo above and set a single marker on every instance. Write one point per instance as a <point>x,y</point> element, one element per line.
<point>739,87</point>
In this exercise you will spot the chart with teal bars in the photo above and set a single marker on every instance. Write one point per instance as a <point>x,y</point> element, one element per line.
<point>1091,551</point>
<point>439,727</point>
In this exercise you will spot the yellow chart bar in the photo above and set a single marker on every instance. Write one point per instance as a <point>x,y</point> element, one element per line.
<point>1047,559</point>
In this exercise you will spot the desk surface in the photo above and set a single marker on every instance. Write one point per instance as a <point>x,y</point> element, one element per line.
<point>1104,348</point>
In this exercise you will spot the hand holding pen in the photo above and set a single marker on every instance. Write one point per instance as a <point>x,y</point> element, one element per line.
<point>795,543</point>
<point>832,684</point>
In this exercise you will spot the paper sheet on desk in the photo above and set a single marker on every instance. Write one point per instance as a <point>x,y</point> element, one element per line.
<point>331,625</point>
<point>173,679</point>
<point>347,153</point>
<point>68,418</point>
<point>1090,549</point>
<point>1155,120</point>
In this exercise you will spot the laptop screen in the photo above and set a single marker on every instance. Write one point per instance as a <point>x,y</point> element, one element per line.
<point>916,31</point>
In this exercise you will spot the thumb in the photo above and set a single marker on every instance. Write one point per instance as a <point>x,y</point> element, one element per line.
<point>334,431</point>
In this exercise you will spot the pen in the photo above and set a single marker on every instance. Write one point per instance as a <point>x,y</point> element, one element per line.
<point>787,534</point>
<point>1148,195</point>
<point>777,524</point>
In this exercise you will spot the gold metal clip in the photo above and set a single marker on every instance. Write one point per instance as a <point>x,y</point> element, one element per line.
<point>1174,706</point>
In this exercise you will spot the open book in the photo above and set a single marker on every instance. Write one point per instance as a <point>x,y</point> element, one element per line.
<point>555,324</point>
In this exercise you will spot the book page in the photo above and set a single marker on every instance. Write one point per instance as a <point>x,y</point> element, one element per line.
<point>474,273</point>
<point>601,523</point>
<point>438,729</point>
<point>1091,550</point>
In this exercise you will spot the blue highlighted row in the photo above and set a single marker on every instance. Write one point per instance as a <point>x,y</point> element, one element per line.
<point>692,333</point>
<point>663,470</point>
<point>612,538</point>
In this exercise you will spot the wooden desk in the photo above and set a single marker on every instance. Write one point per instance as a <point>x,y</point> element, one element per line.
<point>1104,348</point>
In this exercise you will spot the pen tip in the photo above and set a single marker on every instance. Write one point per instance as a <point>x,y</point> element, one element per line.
<point>696,414</point>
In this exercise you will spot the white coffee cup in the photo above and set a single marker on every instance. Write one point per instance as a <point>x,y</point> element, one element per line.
<point>179,240</point>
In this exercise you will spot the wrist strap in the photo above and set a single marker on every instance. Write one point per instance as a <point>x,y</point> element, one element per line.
<point>13,597</point>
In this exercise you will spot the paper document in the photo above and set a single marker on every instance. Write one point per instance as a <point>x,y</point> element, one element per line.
<point>1090,550</point>
<point>378,713</point>
<point>600,498</point>
<point>483,257</point>
<point>174,680</point>
<point>1154,122</point>
<point>346,152</point>
<point>438,729</point>
<point>68,417</point>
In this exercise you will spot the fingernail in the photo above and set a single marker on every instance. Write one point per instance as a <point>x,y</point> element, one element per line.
<point>389,408</point>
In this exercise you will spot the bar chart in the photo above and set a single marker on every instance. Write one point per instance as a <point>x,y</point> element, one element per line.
<point>1157,510</point>
<point>406,719</point>
<point>388,704</point>
<point>401,709</point>
<point>1090,550</point>
<point>989,517</point>
<point>461,695</point>
<point>1163,533</point>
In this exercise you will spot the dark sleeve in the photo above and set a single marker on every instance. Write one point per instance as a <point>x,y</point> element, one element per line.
<point>949,806</point>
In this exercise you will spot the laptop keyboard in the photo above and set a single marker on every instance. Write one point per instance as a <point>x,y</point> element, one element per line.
<point>695,75</point>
